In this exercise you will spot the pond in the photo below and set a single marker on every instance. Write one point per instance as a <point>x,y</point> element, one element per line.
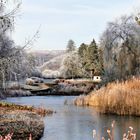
<point>76,123</point>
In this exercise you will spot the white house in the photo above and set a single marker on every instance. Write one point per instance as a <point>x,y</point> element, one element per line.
<point>97,79</point>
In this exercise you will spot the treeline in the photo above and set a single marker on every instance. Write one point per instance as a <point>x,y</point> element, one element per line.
<point>117,56</point>
<point>85,61</point>
<point>15,63</point>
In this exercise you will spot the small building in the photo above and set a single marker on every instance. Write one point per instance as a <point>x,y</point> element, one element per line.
<point>97,79</point>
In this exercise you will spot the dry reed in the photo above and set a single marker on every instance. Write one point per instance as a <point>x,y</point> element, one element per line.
<point>130,135</point>
<point>122,98</point>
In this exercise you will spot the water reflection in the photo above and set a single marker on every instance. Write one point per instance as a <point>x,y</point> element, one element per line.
<point>77,123</point>
<point>122,124</point>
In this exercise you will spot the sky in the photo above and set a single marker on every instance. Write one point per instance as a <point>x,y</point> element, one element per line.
<point>61,20</point>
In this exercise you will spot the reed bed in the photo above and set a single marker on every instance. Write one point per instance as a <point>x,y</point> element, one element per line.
<point>122,98</point>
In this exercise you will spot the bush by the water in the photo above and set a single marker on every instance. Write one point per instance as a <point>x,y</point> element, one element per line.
<point>122,98</point>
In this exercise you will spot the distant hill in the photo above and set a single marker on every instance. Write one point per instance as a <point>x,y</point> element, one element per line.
<point>43,56</point>
<point>54,66</point>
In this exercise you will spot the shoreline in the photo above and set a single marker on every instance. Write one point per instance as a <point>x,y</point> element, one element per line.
<point>61,87</point>
<point>22,121</point>
<point>120,98</point>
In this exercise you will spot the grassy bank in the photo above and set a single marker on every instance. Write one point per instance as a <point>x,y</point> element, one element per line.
<point>11,106</point>
<point>21,124</point>
<point>73,86</point>
<point>122,98</point>
<point>22,121</point>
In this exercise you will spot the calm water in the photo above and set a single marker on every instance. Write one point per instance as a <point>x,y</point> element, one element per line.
<point>76,123</point>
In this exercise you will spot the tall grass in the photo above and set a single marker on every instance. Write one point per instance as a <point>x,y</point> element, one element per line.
<point>122,98</point>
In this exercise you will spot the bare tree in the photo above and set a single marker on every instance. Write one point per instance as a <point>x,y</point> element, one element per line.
<point>121,48</point>
<point>14,61</point>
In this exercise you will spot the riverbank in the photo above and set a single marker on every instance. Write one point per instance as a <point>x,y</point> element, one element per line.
<point>22,121</point>
<point>60,87</point>
<point>77,123</point>
<point>71,87</point>
<point>121,98</point>
<point>63,87</point>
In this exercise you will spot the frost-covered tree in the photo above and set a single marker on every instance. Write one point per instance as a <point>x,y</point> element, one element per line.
<point>14,62</point>
<point>6,44</point>
<point>121,48</point>
<point>71,66</point>
<point>23,66</point>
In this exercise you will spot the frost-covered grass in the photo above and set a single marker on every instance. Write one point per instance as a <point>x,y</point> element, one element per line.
<point>21,124</point>
<point>122,98</point>
<point>10,106</point>
<point>21,121</point>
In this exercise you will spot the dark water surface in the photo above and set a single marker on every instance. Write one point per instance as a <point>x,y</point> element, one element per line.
<point>76,123</point>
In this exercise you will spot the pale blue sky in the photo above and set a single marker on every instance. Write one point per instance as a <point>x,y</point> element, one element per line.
<point>61,20</point>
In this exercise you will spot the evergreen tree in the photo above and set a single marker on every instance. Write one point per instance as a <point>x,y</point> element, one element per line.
<point>82,49</point>
<point>71,46</point>
<point>90,59</point>
<point>93,56</point>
